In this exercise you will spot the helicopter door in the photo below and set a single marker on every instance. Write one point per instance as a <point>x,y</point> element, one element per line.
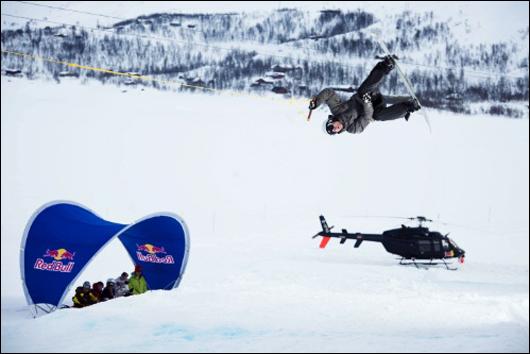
<point>424,247</point>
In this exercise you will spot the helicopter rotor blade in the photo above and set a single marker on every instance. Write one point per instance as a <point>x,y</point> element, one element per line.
<point>420,219</point>
<point>389,217</point>
<point>376,217</point>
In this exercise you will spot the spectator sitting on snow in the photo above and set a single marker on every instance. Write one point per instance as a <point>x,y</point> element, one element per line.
<point>97,290</point>
<point>137,283</point>
<point>109,292</point>
<point>84,297</point>
<point>121,285</point>
<point>79,298</point>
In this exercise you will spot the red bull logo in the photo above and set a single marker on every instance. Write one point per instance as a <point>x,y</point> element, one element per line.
<point>57,265</point>
<point>152,254</point>
<point>151,249</point>
<point>60,254</point>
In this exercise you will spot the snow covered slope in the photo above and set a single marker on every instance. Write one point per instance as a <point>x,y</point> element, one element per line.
<point>459,56</point>
<point>467,16</point>
<point>250,177</point>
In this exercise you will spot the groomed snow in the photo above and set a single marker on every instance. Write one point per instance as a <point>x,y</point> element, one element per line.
<point>250,176</point>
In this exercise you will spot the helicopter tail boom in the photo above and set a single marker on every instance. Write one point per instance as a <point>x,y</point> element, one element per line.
<point>326,235</point>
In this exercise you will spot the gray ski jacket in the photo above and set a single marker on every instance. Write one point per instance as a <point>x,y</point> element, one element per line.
<point>354,113</point>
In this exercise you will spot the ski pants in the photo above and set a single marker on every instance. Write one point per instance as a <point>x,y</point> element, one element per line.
<point>385,107</point>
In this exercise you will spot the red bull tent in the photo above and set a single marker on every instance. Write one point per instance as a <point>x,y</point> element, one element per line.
<point>62,238</point>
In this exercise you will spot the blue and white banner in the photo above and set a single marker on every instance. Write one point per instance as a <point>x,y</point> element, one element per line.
<point>62,238</point>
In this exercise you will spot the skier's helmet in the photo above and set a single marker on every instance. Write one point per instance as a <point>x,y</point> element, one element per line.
<point>328,125</point>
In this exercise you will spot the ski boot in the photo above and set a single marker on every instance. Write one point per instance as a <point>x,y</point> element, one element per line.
<point>413,106</point>
<point>388,62</point>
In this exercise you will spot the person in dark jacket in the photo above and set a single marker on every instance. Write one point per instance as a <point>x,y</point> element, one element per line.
<point>84,296</point>
<point>366,105</point>
<point>97,290</point>
<point>79,298</point>
<point>109,292</point>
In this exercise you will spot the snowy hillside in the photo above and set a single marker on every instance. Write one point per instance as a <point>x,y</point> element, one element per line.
<point>250,176</point>
<point>450,54</point>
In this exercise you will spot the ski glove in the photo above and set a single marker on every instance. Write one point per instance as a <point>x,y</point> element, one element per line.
<point>313,103</point>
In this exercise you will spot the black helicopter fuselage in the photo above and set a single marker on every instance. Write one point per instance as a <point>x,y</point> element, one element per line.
<point>419,243</point>
<point>407,242</point>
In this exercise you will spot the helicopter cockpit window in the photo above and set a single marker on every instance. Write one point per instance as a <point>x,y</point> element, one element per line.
<point>445,245</point>
<point>453,243</point>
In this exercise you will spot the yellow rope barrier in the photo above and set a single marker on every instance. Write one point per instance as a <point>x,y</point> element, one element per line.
<point>107,71</point>
<point>291,101</point>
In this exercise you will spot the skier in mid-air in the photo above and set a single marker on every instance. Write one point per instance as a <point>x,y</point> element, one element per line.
<point>366,105</point>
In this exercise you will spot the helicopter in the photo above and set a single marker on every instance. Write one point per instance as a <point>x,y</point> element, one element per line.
<point>410,243</point>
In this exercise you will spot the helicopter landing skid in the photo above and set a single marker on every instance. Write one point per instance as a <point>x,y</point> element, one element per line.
<point>424,264</point>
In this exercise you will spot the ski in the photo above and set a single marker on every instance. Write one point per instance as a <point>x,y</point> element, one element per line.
<point>405,79</point>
